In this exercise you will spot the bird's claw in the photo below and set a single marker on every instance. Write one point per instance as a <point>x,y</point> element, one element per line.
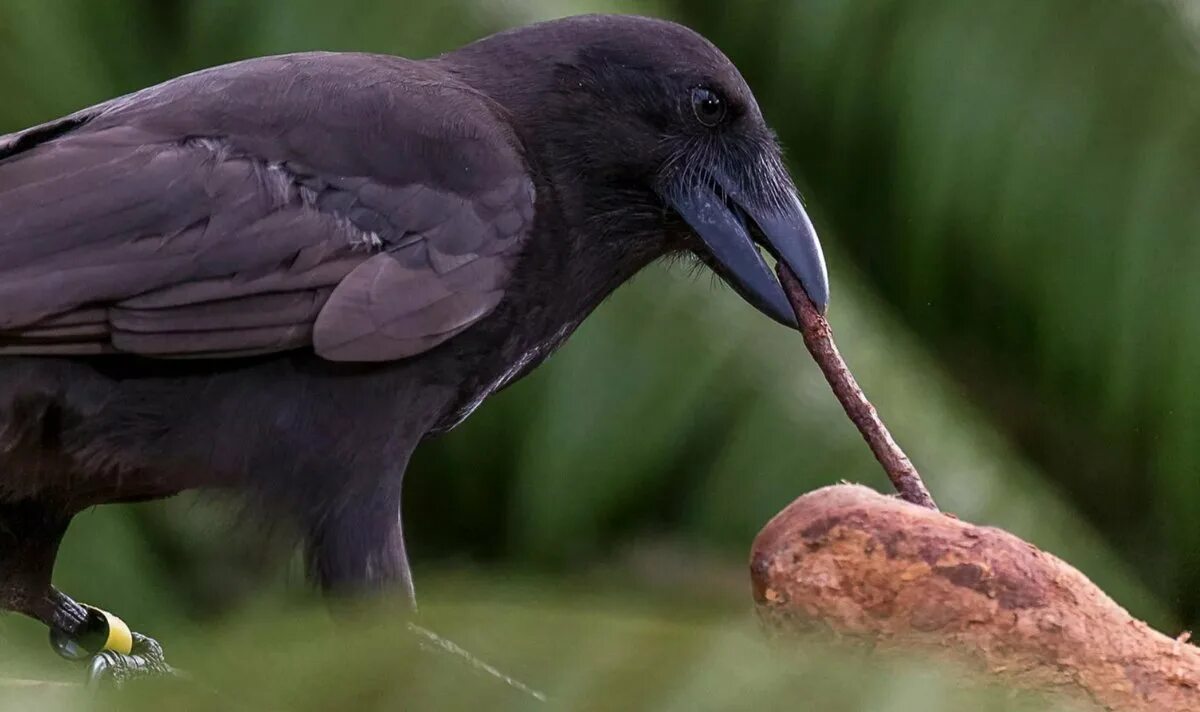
<point>145,660</point>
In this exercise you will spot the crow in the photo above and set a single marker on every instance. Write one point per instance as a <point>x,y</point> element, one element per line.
<point>279,276</point>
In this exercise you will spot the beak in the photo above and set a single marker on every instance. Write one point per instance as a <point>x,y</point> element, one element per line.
<point>724,222</point>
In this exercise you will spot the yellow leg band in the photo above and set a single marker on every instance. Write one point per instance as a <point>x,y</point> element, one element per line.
<point>120,638</point>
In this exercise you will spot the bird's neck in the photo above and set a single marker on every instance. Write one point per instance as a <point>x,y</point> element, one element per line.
<point>555,286</point>
<point>576,258</point>
<point>523,79</point>
<point>514,74</point>
<point>587,240</point>
<point>590,235</point>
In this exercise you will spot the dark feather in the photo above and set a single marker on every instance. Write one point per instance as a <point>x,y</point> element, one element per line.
<point>169,224</point>
<point>245,225</point>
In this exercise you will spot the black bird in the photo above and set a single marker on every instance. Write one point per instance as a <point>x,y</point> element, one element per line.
<point>279,276</point>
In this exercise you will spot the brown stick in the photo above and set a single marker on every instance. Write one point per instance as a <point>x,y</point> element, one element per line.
<point>850,560</point>
<point>818,337</point>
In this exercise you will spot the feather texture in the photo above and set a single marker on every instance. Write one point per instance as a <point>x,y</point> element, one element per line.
<point>365,206</point>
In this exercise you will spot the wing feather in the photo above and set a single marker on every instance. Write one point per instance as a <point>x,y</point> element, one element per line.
<point>261,310</point>
<point>260,340</point>
<point>196,220</point>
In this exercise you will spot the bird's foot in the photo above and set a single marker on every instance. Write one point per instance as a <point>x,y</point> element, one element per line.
<point>144,660</point>
<point>114,653</point>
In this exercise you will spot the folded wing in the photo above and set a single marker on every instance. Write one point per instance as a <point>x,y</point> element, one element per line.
<point>359,206</point>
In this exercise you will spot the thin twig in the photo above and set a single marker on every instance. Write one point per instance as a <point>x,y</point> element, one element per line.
<point>819,339</point>
<point>443,645</point>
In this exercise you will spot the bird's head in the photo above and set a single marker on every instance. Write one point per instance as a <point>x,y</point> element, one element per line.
<point>669,143</point>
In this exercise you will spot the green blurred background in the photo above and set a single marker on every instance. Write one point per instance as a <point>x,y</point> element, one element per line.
<point>1007,196</point>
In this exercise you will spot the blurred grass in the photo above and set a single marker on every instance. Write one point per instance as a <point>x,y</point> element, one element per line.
<point>585,650</point>
<point>1006,191</point>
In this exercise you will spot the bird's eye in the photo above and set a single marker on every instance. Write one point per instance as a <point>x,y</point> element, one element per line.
<point>708,106</point>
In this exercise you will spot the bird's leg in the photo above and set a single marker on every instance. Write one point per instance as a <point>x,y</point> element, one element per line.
<point>359,549</point>
<point>30,533</point>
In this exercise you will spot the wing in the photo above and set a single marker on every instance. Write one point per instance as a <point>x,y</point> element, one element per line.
<point>366,207</point>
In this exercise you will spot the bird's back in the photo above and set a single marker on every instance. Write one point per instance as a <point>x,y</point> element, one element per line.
<point>217,213</point>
